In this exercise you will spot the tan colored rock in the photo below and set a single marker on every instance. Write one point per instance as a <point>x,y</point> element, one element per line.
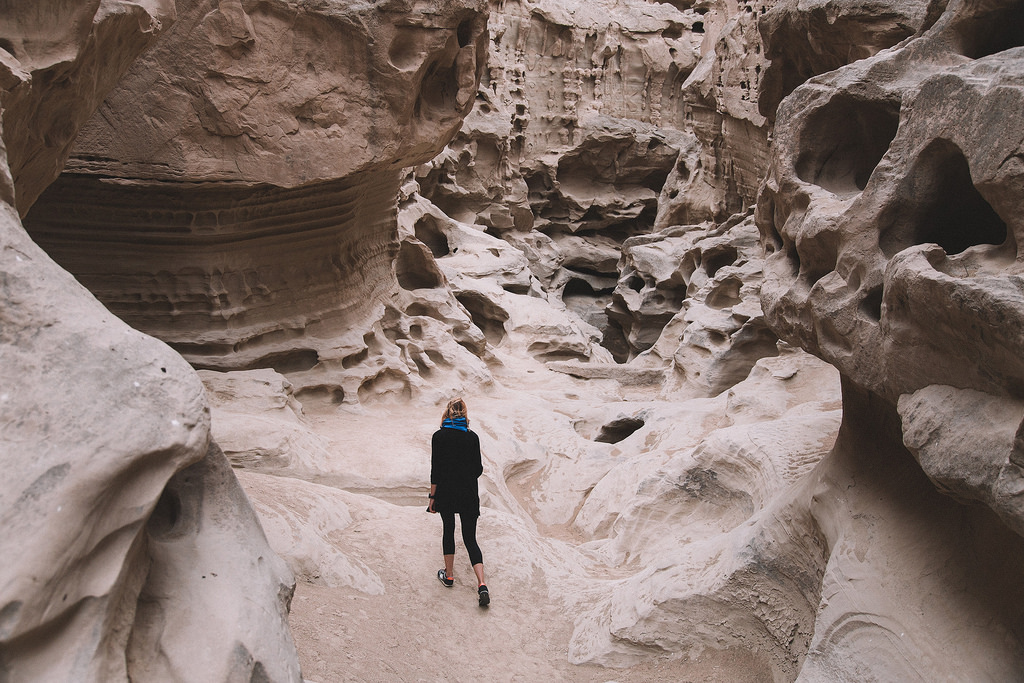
<point>261,172</point>
<point>246,92</point>
<point>96,419</point>
<point>305,522</point>
<point>892,216</point>
<point>58,61</point>
<point>807,39</point>
<point>215,603</point>
<point>113,502</point>
<point>688,300</point>
<point>114,498</point>
<point>493,282</point>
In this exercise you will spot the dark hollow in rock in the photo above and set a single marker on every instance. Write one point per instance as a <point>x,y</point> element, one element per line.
<point>428,232</point>
<point>844,140</point>
<point>617,430</point>
<point>939,204</point>
<point>414,270</point>
<point>485,315</point>
<point>999,29</point>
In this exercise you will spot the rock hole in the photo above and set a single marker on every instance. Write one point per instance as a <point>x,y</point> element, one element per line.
<point>939,204</point>
<point>998,30</point>
<point>546,352</point>
<point>516,287</point>
<point>439,88</point>
<point>725,294</point>
<point>293,360</point>
<point>429,232</point>
<point>405,52</point>
<point>355,359</point>
<point>320,393</point>
<point>618,430</point>
<point>698,27</point>
<point>464,32</point>
<point>165,516</point>
<point>414,270</point>
<point>716,258</point>
<point>689,264</point>
<point>871,304</point>
<point>636,283</point>
<point>488,317</point>
<point>388,384</point>
<point>844,140</point>
<point>673,32</point>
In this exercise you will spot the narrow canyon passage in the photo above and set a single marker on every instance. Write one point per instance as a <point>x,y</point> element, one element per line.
<point>556,544</point>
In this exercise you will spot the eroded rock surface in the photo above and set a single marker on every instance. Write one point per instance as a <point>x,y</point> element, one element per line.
<point>897,238</point>
<point>114,501</point>
<point>684,491</point>
<point>892,212</point>
<point>236,194</point>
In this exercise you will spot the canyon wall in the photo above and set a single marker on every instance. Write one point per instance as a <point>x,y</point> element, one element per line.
<point>891,216</point>
<point>114,496</point>
<point>647,213</point>
<point>235,194</point>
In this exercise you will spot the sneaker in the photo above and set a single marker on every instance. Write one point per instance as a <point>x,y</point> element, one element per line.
<point>485,597</point>
<point>443,578</point>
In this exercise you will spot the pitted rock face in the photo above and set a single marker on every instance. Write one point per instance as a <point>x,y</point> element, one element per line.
<point>805,39</point>
<point>235,196</point>
<point>895,210</point>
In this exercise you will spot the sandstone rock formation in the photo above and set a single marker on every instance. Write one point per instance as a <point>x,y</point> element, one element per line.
<point>892,214</point>
<point>235,194</point>
<point>122,521</point>
<point>669,488</point>
<point>58,62</point>
<point>896,238</point>
<point>596,123</point>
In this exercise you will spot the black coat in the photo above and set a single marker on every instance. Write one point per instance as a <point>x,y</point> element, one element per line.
<point>455,466</point>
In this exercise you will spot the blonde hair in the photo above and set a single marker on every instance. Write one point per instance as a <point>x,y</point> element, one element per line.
<point>455,408</point>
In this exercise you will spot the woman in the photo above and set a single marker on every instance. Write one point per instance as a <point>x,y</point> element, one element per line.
<point>455,466</point>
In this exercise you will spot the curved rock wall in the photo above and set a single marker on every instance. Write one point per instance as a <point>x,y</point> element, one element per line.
<point>236,194</point>
<point>893,211</point>
<point>289,94</point>
<point>113,493</point>
<point>58,60</point>
<point>892,218</point>
<point>231,276</point>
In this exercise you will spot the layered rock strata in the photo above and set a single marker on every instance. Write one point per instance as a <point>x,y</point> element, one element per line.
<point>58,61</point>
<point>236,193</point>
<point>114,501</point>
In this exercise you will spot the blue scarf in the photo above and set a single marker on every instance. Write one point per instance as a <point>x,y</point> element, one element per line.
<point>459,423</point>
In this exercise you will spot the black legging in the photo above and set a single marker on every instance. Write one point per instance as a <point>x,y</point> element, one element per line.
<point>468,535</point>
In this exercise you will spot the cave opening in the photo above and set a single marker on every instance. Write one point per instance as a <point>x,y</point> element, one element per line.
<point>995,31</point>
<point>716,258</point>
<point>843,141</point>
<point>486,316</point>
<point>429,232</point>
<point>414,270</point>
<point>939,204</point>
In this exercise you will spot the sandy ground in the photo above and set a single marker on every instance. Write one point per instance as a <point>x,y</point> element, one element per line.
<point>419,630</point>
